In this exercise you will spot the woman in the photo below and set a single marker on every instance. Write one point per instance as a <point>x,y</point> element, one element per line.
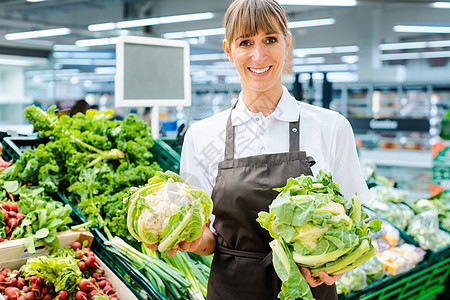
<point>239,156</point>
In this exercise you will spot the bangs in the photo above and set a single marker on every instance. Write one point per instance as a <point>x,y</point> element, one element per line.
<point>253,16</point>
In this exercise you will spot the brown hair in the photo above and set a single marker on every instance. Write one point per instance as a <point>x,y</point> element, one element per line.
<point>247,17</point>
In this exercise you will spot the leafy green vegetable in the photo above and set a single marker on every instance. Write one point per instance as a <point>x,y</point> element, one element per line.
<point>60,270</point>
<point>314,226</point>
<point>91,160</point>
<point>167,210</point>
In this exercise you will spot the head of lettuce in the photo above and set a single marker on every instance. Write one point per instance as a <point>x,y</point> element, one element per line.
<point>166,210</point>
<point>314,226</point>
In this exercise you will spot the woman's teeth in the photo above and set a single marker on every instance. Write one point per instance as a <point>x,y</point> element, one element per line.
<point>258,71</point>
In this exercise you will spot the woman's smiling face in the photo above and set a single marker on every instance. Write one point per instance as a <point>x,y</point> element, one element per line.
<point>259,59</point>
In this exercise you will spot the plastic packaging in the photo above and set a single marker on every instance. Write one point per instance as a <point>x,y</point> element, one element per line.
<point>374,270</point>
<point>425,229</point>
<point>354,279</point>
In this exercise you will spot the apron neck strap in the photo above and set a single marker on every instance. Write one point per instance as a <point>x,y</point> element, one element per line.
<point>294,136</point>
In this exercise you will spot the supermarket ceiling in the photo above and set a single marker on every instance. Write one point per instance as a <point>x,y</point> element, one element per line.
<point>366,22</point>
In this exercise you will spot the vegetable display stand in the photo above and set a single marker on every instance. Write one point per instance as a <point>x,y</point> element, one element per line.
<point>163,154</point>
<point>13,256</point>
<point>423,282</point>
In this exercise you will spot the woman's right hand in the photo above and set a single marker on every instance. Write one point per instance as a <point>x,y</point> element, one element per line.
<point>203,245</point>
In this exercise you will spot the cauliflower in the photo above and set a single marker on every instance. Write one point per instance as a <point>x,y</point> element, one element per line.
<point>167,210</point>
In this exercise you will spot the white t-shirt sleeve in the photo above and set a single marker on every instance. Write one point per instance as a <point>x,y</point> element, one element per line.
<point>192,167</point>
<point>347,171</point>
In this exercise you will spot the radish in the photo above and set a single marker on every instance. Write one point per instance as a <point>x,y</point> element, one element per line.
<point>5,206</point>
<point>91,262</point>
<point>82,265</point>
<point>13,293</point>
<point>63,294</point>
<point>13,206</point>
<point>30,296</point>
<point>19,216</point>
<point>80,295</point>
<point>13,222</point>
<point>75,246</point>
<point>86,285</point>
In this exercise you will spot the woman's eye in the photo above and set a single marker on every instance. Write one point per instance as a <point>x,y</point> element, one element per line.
<point>245,43</point>
<point>271,40</point>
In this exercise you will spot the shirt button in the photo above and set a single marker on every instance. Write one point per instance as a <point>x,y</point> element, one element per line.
<point>263,148</point>
<point>261,133</point>
<point>257,119</point>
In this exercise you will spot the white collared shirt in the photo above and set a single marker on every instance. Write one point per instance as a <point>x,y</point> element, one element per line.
<point>324,134</point>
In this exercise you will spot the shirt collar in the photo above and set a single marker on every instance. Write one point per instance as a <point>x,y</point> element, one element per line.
<point>287,110</point>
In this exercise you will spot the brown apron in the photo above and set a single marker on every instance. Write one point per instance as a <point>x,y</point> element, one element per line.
<point>242,265</point>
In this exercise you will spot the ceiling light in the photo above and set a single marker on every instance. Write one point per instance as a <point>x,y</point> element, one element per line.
<point>424,29</point>
<point>15,60</point>
<point>37,34</point>
<point>435,54</point>
<point>415,55</point>
<point>308,60</point>
<point>96,42</point>
<point>319,2</point>
<point>401,46</point>
<point>325,68</point>
<point>194,33</point>
<point>151,21</point>
<point>36,0</point>
<point>86,61</point>
<point>301,52</point>
<point>311,23</point>
<point>441,4</point>
<point>211,56</point>
<point>102,26</point>
<point>350,59</point>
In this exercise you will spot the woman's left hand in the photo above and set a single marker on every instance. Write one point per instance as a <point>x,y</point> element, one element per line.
<point>323,277</point>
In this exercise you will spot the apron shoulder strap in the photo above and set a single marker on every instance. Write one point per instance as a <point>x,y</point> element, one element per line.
<point>294,136</point>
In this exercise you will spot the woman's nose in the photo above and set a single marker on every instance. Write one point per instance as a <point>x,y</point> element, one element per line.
<point>258,54</point>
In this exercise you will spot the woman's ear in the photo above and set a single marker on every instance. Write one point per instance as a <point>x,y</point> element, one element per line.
<point>226,49</point>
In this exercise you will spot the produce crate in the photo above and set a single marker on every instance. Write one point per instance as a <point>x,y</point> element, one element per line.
<point>423,282</point>
<point>133,275</point>
<point>173,142</point>
<point>165,156</point>
<point>13,147</point>
<point>13,255</point>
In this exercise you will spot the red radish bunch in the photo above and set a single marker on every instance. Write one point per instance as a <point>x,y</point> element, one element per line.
<point>14,287</point>
<point>11,217</point>
<point>97,283</point>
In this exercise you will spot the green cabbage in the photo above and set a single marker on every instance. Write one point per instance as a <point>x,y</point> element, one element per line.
<point>314,226</point>
<point>167,210</point>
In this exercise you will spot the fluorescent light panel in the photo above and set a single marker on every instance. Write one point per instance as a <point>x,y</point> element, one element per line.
<point>415,55</point>
<point>221,31</point>
<point>301,52</point>
<point>37,34</point>
<point>311,23</point>
<point>194,33</point>
<point>151,21</point>
<point>96,42</point>
<point>441,4</point>
<point>414,45</point>
<point>422,28</point>
<point>211,56</point>
<point>319,2</point>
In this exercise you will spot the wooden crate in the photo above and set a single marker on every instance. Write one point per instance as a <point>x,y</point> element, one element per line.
<point>13,255</point>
